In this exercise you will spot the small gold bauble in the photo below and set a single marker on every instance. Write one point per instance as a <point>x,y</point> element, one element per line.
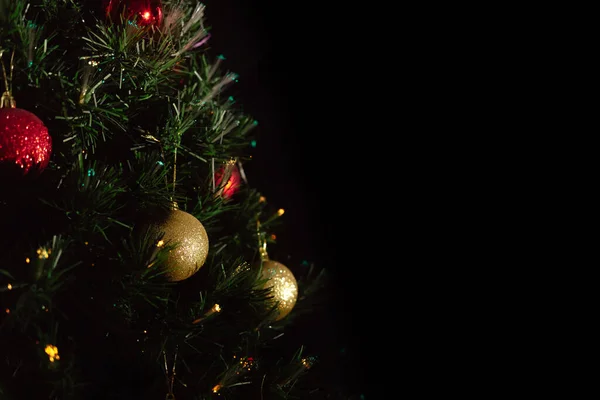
<point>284,287</point>
<point>187,235</point>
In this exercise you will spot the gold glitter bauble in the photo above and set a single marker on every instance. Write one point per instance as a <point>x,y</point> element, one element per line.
<point>284,287</point>
<point>190,241</point>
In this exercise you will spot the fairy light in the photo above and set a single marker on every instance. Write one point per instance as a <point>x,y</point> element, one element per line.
<point>146,15</point>
<point>280,212</point>
<point>247,363</point>
<point>214,309</point>
<point>160,243</point>
<point>52,352</point>
<point>9,286</point>
<point>273,236</point>
<point>262,199</point>
<point>27,260</point>
<point>306,364</point>
<point>241,364</point>
<point>43,253</point>
<point>7,310</point>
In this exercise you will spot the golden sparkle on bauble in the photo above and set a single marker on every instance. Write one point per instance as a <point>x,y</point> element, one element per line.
<point>283,284</point>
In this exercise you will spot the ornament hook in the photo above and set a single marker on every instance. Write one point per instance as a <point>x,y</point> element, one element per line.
<point>262,242</point>
<point>7,100</point>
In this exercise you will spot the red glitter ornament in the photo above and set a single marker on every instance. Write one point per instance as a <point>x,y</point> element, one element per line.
<point>228,180</point>
<point>143,12</point>
<point>24,140</point>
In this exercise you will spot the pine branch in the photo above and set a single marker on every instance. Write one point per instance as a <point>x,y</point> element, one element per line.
<point>89,196</point>
<point>140,118</point>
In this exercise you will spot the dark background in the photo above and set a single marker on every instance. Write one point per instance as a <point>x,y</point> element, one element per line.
<point>290,68</point>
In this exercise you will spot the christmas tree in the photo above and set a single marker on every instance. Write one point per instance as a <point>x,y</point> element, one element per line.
<point>137,259</point>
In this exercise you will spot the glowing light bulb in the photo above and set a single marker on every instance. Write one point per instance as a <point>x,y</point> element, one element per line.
<point>52,352</point>
<point>146,15</point>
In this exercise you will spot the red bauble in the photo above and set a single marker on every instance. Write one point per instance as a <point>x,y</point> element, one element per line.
<point>228,180</point>
<point>143,12</point>
<point>24,140</point>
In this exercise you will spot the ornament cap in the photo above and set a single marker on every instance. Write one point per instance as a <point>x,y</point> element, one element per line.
<point>262,242</point>
<point>263,252</point>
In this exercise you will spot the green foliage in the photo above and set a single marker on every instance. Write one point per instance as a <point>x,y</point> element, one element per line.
<point>139,120</point>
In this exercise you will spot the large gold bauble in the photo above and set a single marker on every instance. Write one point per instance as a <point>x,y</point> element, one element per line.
<point>188,237</point>
<point>284,287</point>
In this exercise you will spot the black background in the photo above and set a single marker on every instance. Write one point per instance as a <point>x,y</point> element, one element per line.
<point>291,67</point>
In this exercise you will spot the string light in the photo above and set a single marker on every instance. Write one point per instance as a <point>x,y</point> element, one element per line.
<point>159,244</point>
<point>244,363</point>
<point>9,286</point>
<point>280,212</point>
<point>27,260</point>
<point>52,352</point>
<point>306,363</point>
<point>214,309</point>
<point>44,253</point>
